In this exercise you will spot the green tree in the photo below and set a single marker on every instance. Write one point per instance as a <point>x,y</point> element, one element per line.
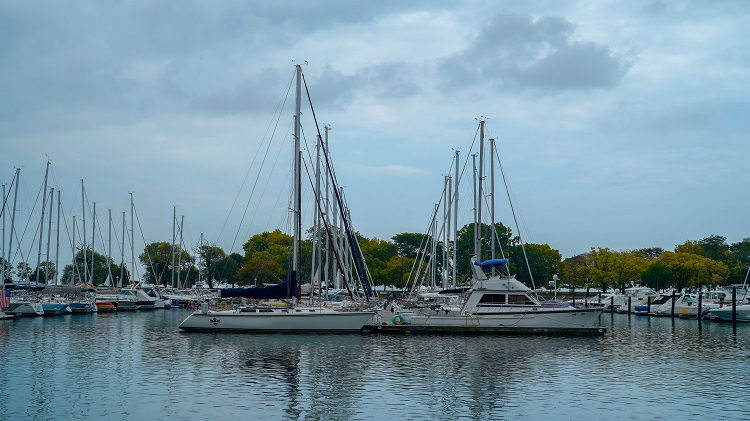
<point>103,267</point>
<point>47,272</point>
<point>692,270</point>
<point>6,268</point>
<point>24,271</point>
<point>544,262</point>
<point>157,259</point>
<point>658,276</point>
<point>209,258</point>
<point>267,258</point>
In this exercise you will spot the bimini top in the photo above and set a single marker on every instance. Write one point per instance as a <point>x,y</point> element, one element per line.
<point>492,263</point>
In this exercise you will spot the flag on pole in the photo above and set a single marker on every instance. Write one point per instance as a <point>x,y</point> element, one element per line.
<point>5,298</point>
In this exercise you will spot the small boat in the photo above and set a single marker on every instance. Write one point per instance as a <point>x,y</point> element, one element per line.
<point>725,313</point>
<point>105,306</point>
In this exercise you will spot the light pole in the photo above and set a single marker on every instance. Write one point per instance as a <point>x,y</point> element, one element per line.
<point>554,279</point>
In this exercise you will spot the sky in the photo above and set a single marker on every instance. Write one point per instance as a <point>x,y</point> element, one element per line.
<point>618,124</point>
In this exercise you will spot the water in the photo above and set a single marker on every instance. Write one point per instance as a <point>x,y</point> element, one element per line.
<point>138,366</point>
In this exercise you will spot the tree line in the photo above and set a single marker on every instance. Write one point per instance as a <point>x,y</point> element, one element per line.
<point>266,259</point>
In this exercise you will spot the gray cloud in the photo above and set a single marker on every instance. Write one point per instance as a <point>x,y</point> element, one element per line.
<point>514,51</point>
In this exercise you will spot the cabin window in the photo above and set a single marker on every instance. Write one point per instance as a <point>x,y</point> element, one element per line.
<point>492,299</point>
<point>520,300</point>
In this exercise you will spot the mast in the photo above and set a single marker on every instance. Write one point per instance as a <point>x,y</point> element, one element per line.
<point>75,263</point>
<point>83,238</point>
<point>174,221</point>
<point>93,242</point>
<point>49,235</point>
<point>132,238</point>
<point>297,180</point>
<point>41,222</point>
<point>455,225</point>
<point>13,215</point>
<point>476,221</point>
<point>57,242</point>
<point>316,228</point>
<point>480,203</point>
<point>179,257</point>
<point>109,250</point>
<point>327,213</point>
<point>122,253</point>
<point>5,263</point>
<point>492,202</point>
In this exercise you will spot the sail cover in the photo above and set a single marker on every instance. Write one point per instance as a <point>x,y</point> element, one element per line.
<point>492,263</point>
<point>286,289</point>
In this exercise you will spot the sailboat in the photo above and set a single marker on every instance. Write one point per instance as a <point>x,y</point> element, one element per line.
<point>271,318</point>
<point>498,302</point>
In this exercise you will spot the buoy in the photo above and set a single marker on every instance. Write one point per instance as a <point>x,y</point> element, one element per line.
<point>397,319</point>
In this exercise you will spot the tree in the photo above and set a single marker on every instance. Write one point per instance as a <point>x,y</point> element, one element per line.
<point>575,271</point>
<point>24,271</point>
<point>658,276</point>
<point>692,270</point>
<point>6,268</point>
<point>408,244</point>
<point>47,272</point>
<point>267,258</point>
<point>544,262</point>
<point>157,259</point>
<point>103,267</point>
<point>209,258</point>
<point>504,241</point>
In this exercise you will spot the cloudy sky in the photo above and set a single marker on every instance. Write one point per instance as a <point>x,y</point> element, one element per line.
<point>618,124</point>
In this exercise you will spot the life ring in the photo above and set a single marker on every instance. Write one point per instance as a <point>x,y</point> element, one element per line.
<point>223,305</point>
<point>397,319</point>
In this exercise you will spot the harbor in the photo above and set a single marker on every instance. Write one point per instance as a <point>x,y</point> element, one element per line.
<point>134,365</point>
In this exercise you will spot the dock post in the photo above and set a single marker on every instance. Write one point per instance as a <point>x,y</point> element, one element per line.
<point>648,309</point>
<point>734,309</point>
<point>612,304</point>
<point>700,305</point>
<point>630,299</point>
<point>673,299</point>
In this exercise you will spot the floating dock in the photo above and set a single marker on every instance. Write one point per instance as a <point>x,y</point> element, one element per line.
<point>482,330</point>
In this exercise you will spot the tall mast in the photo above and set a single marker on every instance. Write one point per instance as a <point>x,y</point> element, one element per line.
<point>132,239</point>
<point>13,216</point>
<point>83,238</point>
<point>326,277</point>
<point>41,222</point>
<point>316,228</point>
<point>57,242</point>
<point>75,262</point>
<point>476,220</point>
<point>5,263</point>
<point>455,225</point>
<point>174,221</point>
<point>480,197</point>
<point>297,180</point>
<point>122,254</point>
<point>493,232</point>
<point>49,234</point>
<point>93,242</point>
<point>109,249</point>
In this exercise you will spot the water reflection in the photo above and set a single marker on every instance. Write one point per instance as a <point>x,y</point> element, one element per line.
<point>138,366</point>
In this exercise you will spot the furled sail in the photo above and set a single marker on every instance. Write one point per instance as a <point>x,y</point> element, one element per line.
<point>286,289</point>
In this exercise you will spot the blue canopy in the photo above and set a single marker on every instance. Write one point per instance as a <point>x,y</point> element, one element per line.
<point>492,263</point>
<point>286,289</point>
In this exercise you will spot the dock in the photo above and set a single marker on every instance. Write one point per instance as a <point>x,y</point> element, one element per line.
<point>484,330</point>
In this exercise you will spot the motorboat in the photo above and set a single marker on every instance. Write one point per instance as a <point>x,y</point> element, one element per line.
<point>502,301</point>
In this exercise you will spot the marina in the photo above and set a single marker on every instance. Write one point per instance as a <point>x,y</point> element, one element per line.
<point>133,365</point>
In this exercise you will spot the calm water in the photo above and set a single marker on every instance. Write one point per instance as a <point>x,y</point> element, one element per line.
<point>138,366</point>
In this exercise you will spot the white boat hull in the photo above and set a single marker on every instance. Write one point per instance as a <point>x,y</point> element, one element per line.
<point>558,318</point>
<point>725,313</point>
<point>287,320</point>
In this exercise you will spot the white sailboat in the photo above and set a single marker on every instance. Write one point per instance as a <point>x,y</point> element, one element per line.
<point>496,302</point>
<point>270,318</point>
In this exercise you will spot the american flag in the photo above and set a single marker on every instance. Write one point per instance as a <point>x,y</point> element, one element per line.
<point>5,298</point>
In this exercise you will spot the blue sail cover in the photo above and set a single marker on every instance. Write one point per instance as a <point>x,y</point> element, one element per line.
<point>492,263</point>
<point>286,289</point>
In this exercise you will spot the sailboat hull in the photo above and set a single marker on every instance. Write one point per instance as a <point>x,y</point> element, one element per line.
<point>278,320</point>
